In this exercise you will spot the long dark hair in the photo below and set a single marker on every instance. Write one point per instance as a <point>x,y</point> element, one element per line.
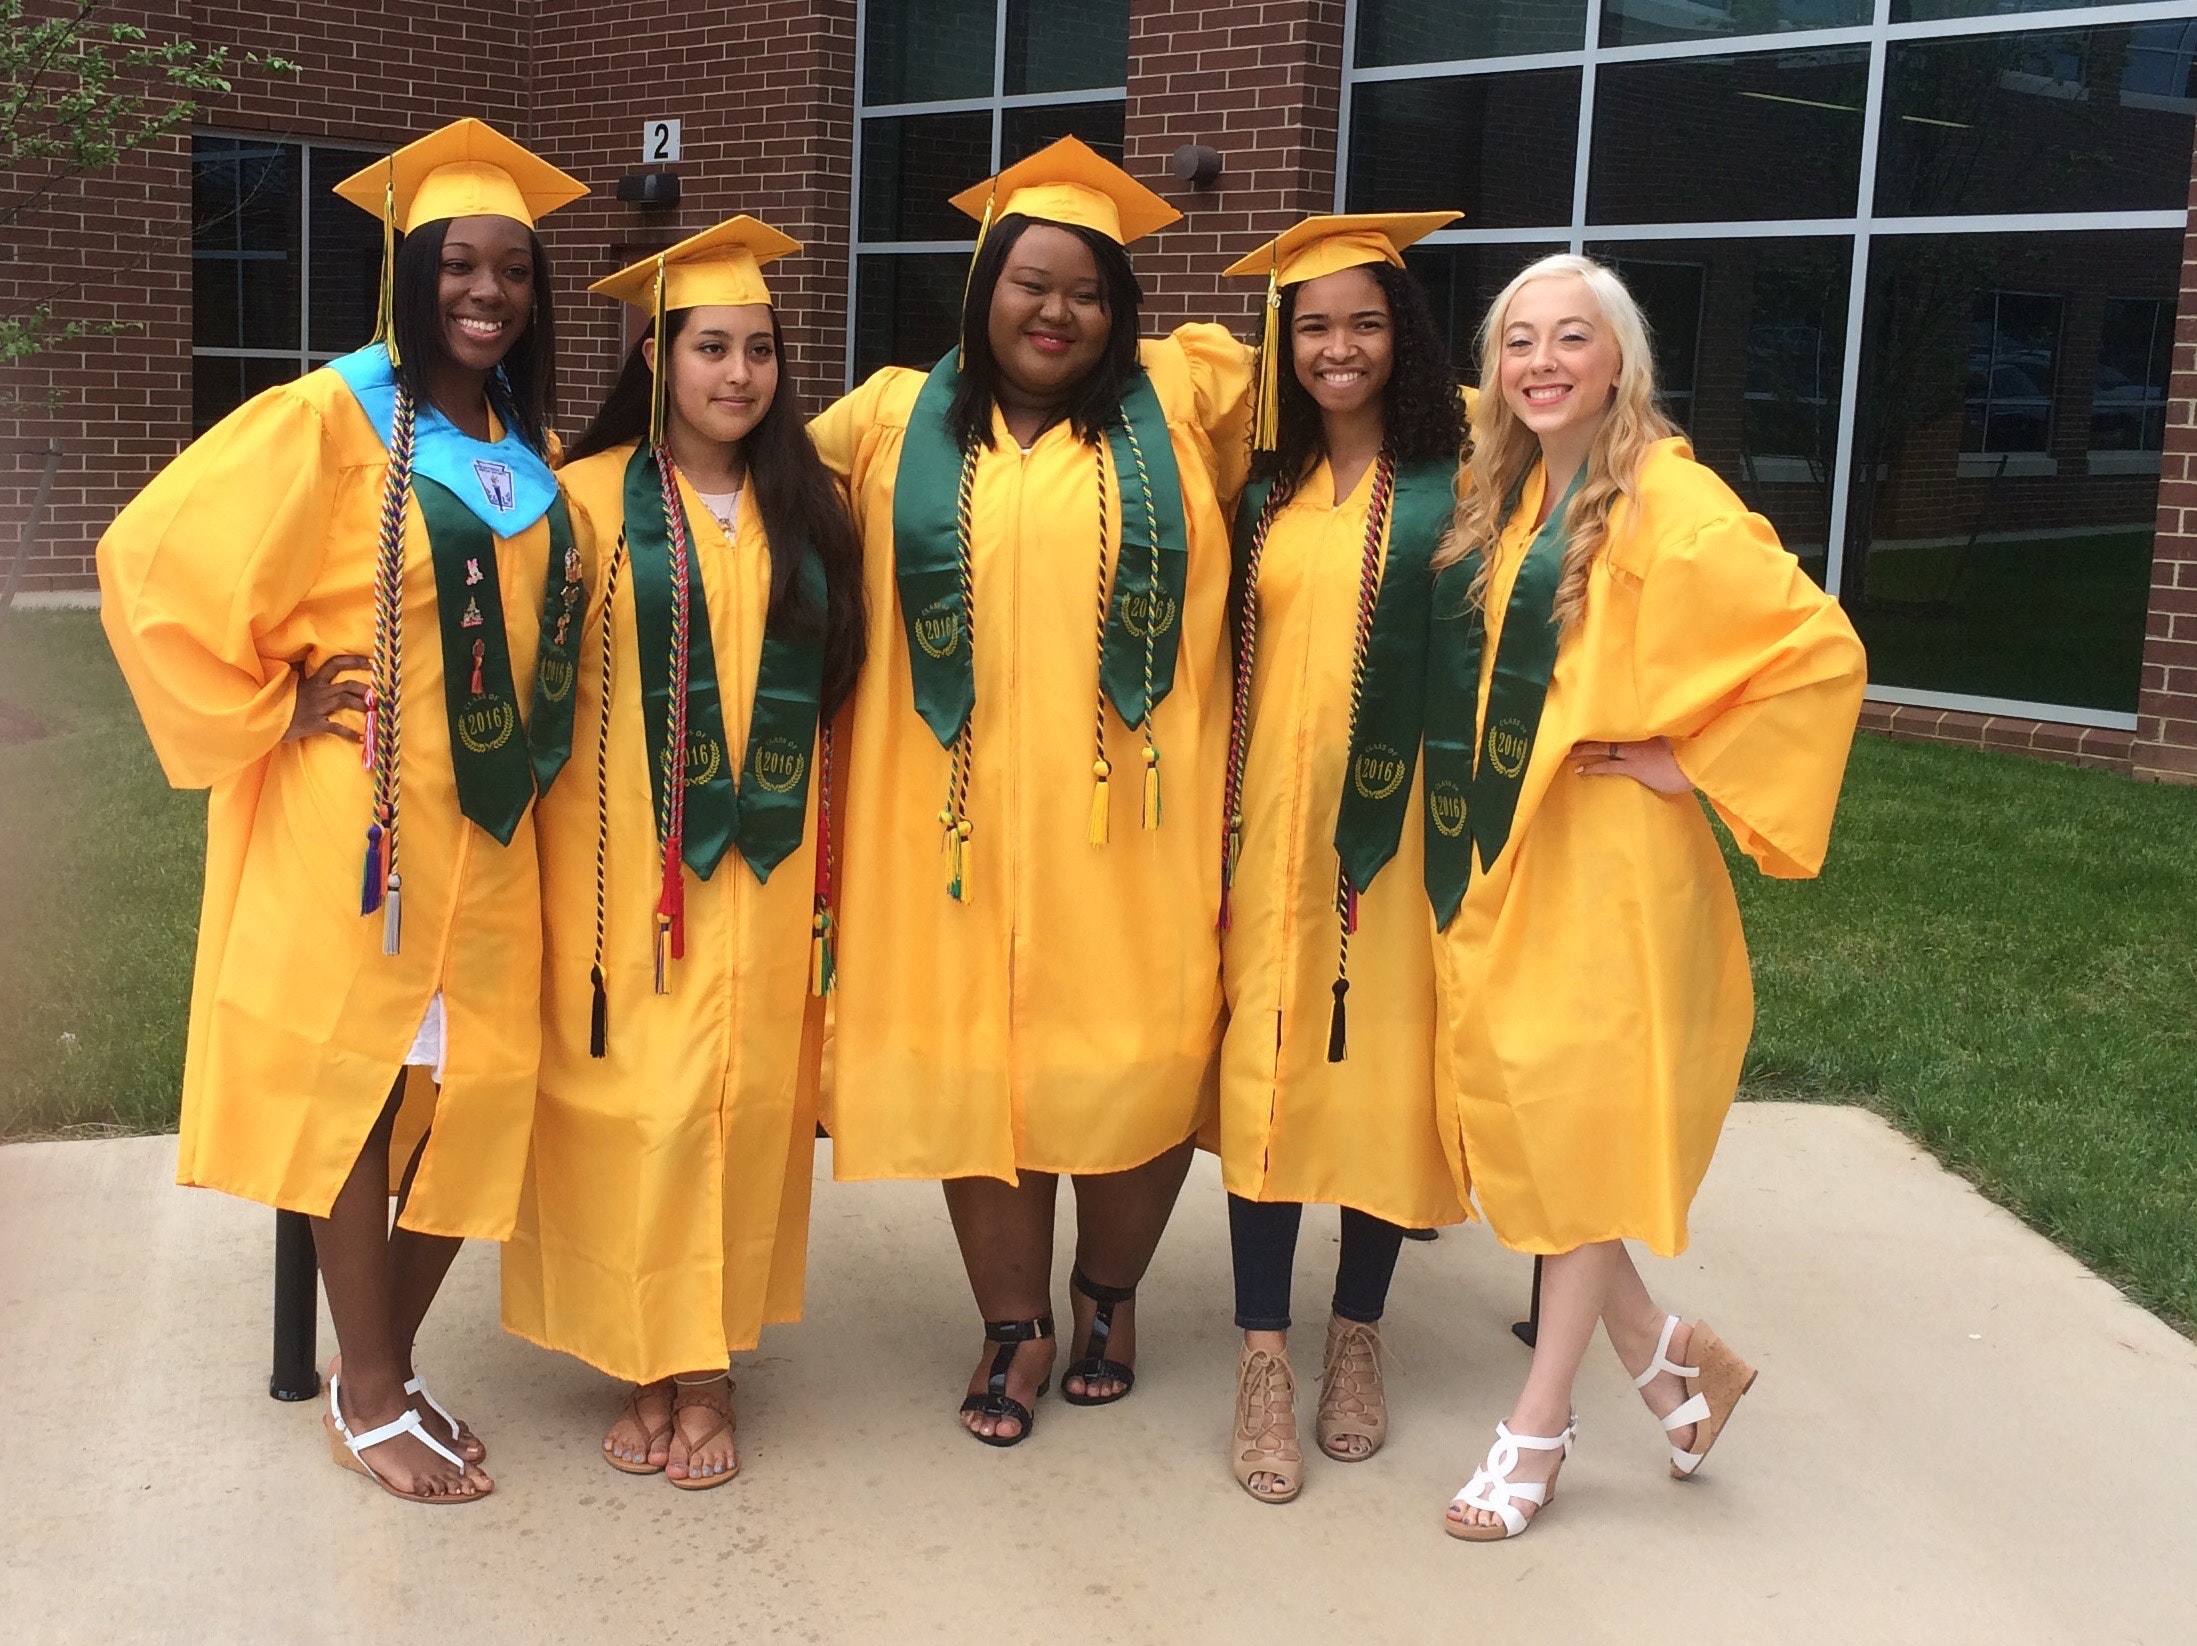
<point>1422,415</point>
<point>1098,396</point>
<point>799,500</point>
<point>524,389</point>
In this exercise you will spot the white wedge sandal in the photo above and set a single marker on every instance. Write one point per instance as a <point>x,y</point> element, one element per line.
<point>418,1386</point>
<point>349,1449</point>
<point>1713,1386</point>
<point>1491,1488</point>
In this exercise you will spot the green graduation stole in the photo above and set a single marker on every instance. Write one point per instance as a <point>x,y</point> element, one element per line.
<point>1137,657</point>
<point>1473,781</point>
<point>1384,737</point>
<point>497,759</point>
<point>765,815</point>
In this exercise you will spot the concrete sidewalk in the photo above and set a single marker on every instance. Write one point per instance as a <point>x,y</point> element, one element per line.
<point>1960,1435</point>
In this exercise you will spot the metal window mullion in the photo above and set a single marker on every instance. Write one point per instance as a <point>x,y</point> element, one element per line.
<point>305,258</point>
<point>999,76</point>
<point>1583,159</point>
<point>854,191</point>
<point>1460,67</point>
<point>2070,20</point>
<point>2060,714</point>
<point>1857,307</point>
<point>1741,45</point>
<point>1343,103</point>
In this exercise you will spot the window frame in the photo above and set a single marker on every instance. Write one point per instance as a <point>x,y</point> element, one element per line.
<point>1864,227</point>
<point>995,104</point>
<point>305,357</point>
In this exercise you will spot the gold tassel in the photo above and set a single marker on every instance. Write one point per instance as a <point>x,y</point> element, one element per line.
<point>1101,770</point>
<point>1151,787</point>
<point>656,377</point>
<point>1266,417</point>
<point>983,228</point>
<point>385,308</point>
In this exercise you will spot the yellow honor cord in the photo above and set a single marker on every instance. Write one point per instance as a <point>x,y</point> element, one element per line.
<point>656,387</point>
<point>1266,416</point>
<point>1101,770</point>
<point>1151,786</point>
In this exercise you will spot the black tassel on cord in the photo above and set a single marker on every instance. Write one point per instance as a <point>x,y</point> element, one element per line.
<point>598,1024</point>
<point>1335,1035</point>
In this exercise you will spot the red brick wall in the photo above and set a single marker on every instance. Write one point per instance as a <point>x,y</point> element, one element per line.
<point>120,243</point>
<point>2166,706</point>
<point>1259,82</point>
<point>765,96</point>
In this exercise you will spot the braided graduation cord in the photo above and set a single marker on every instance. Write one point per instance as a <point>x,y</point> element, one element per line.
<point>1369,592</point>
<point>383,741</point>
<point>1152,599</point>
<point>671,913</point>
<point>954,819</point>
<point>598,1032</point>
<point>1239,712</point>
<point>1101,767</point>
<point>823,973</point>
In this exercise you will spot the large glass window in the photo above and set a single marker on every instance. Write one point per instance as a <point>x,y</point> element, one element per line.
<point>1991,554</point>
<point>951,91</point>
<point>1943,376</point>
<point>1718,139</point>
<point>284,274</point>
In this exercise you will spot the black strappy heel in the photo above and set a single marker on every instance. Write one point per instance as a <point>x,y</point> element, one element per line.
<point>995,1402</point>
<point>1094,1364</point>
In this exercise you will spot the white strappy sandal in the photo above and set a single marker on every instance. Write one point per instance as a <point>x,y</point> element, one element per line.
<point>1491,1488</point>
<point>1713,1385</point>
<point>418,1386</point>
<point>349,1450</point>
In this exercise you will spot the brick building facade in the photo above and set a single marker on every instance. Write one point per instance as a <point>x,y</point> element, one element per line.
<point>776,122</point>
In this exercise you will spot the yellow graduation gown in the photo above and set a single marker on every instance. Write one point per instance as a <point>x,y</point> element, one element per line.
<point>1294,1126</point>
<point>255,546</point>
<point>1065,1018</point>
<point>1595,1002</point>
<point>666,1213</point>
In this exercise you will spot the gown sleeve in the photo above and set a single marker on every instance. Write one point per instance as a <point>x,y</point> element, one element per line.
<point>839,429</point>
<point>207,560</point>
<point>1756,676</point>
<point>1221,378</point>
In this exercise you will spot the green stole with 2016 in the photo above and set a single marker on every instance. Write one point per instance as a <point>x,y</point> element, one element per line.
<point>1384,739</point>
<point>1473,782</point>
<point>498,764</point>
<point>766,814</point>
<point>1149,573</point>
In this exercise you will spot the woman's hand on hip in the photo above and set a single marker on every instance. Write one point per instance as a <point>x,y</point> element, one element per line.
<point>1650,764</point>
<point>321,696</point>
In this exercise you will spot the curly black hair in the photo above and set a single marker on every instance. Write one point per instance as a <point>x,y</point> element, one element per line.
<point>1422,413</point>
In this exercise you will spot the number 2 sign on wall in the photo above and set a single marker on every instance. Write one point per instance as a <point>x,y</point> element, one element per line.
<point>660,142</point>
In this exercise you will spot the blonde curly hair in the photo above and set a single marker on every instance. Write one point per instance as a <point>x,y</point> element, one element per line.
<point>1504,450</point>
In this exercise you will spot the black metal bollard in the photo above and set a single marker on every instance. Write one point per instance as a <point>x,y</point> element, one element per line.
<point>1529,1328</point>
<point>297,1310</point>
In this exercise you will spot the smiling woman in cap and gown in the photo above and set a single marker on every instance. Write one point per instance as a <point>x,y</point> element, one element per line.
<point>667,1204</point>
<point>1029,967</point>
<point>1327,1068</point>
<point>349,610</point>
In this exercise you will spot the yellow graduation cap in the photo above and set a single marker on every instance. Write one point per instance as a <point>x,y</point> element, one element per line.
<point>721,265</point>
<point>467,169</point>
<point>1310,249</point>
<point>1069,182</point>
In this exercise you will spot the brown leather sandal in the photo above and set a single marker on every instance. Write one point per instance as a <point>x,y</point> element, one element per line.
<point>1353,1403</point>
<point>1266,1427</point>
<point>656,1440</point>
<point>686,1397</point>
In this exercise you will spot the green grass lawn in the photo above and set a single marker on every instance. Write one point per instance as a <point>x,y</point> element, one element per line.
<point>2001,958</point>
<point>99,877</point>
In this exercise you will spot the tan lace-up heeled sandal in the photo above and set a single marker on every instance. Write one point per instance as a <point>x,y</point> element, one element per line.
<point>1353,1403</point>
<point>703,1396</point>
<point>1265,1442</point>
